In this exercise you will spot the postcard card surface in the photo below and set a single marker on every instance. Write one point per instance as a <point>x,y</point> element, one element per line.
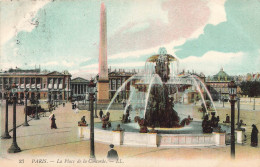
<point>129,83</point>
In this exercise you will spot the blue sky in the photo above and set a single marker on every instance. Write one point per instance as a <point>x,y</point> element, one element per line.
<point>59,35</point>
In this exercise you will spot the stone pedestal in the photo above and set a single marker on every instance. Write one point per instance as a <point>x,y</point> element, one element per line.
<point>118,137</point>
<point>152,139</point>
<point>240,136</point>
<point>219,138</point>
<point>103,92</point>
<point>80,132</point>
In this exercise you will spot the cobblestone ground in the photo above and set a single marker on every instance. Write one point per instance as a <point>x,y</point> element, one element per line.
<point>43,146</point>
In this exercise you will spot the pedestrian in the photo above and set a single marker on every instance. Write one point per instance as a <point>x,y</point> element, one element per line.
<point>112,154</point>
<point>63,104</point>
<point>100,113</point>
<point>72,106</point>
<point>53,124</point>
<point>77,110</point>
<point>254,136</point>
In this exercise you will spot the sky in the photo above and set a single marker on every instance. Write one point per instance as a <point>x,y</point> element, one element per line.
<point>205,35</point>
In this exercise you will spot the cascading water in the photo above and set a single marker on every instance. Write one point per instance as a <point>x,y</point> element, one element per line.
<point>151,95</point>
<point>207,93</point>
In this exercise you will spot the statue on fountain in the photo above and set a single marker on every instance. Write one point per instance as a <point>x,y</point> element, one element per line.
<point>82,122</point>
<point>105,121</point>
<point>142,123</point>
<point>125,118</point>
<point>214,120</point>
<point>159,111</point>
<point>186,121</point>
<point>206,125</point>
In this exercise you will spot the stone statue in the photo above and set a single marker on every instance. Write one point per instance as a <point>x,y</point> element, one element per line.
<point>83,122</point>
<point>105,121</point>
<point>142,123</point>
<point>206,125</point>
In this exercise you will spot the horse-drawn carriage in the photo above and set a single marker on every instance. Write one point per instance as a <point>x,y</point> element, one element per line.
<point>18,102</point>
<point>31,110</point>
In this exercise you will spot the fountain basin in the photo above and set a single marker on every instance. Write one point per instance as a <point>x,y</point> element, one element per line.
<point>181,137</point>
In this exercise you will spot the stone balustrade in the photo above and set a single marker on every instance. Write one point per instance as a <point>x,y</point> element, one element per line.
<point>153,139</point>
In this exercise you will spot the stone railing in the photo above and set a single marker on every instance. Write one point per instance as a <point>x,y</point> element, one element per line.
<point>154,139</point>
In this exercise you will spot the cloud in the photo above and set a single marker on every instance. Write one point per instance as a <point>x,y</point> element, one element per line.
<point>240,32</point>
<point>129,64</point>
<point>67,64</point>
<point>21,19</point>
<point>212,61</point>
<point>183,18</point>
<point>51,63</point>
<point>217,12</point>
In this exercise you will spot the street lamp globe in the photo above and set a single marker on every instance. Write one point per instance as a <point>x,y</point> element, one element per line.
<point>232,89</point>
<point>92,86</point>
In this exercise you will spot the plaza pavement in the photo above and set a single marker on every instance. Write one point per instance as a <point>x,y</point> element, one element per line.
<point>40,143</point>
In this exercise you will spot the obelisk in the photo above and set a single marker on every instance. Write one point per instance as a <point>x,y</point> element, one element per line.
<point>103,83</point>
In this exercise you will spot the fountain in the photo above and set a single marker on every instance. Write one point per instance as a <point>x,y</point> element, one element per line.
<point>151,117</point>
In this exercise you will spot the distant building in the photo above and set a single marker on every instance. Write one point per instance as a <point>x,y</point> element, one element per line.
<point>218,85</point>
<point>116,79</point>
<point>79,88</point>
<point>51,85</point>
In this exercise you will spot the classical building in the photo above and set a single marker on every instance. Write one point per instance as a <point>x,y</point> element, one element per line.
<point>116,79</point>
<point>218,85</point>
<point>79,88</point>
<point>51,85</point>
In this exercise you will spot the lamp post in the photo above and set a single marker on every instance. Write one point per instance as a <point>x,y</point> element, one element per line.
<point>14,147</point>
<point>96,103</point>
<point>254,104</point>
<point>25,108</point>
<point>6,134</point>
<point>238,112</point>
<point>92,86</point>
<point>232,89</point>
<point>37,115</point>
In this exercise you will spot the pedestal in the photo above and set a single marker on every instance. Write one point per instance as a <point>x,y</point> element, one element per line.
<point>240,136</point>
<point>118,137</point>
<point>103,92</point>
<point>152,139</point>
<point>219,138</point>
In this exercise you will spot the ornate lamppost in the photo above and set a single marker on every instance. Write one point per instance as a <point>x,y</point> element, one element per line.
<point>60,98</point>
<point>238,112</point>
<point>232,89</point>
<point>37,115</point>
<point>6,134</point>
<point>96,103</point>
<point>92,86</point>
<point>14,147</point>
<point>25,108</point>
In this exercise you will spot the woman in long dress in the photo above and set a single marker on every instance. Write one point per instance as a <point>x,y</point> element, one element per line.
<point>254,136</point>
<point>53,124</point>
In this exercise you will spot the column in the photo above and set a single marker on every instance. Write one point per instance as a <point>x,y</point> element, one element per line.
<point>47,84</point>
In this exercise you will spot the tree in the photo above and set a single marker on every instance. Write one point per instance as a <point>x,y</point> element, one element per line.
<point>250,88</point>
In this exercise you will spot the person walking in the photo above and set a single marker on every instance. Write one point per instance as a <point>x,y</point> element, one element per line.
<point>100,113</point>
<point>254,136</point>
<point>53,124</point>
<point>112,154</point>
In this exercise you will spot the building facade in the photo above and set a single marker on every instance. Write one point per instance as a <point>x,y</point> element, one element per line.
<point>79,88</point>
<point>218,85</point>
<point>47,85</point>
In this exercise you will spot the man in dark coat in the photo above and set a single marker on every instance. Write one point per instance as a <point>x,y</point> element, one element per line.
<point>112,154</point>
<point>100,113</point>
<point>254,136</point>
